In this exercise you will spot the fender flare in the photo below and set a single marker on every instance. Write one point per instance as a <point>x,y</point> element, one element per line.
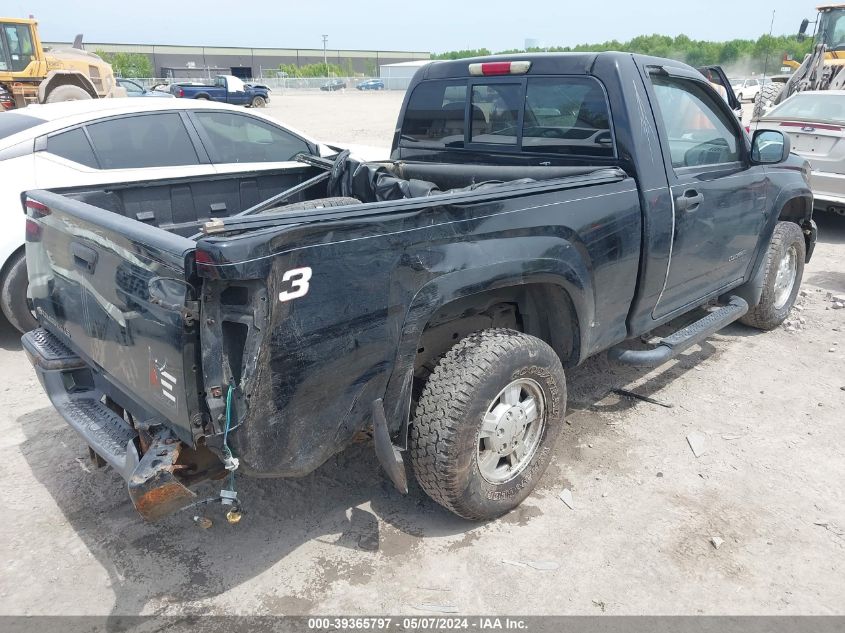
<point>60,78</point>
<point>752,290</point>
<point>571,276</point>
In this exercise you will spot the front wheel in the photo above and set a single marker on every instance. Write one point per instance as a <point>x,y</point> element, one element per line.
<point>258,102</point>
<point>487,421</point>
<point>67,93</point>
<point>784,269</point>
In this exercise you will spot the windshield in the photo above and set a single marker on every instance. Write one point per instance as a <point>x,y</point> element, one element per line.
<point>811,107</point>
<point>12,123</point>
<point>832,28</point>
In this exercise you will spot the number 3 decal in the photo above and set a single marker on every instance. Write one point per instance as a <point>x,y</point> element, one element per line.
<point>299,278</point>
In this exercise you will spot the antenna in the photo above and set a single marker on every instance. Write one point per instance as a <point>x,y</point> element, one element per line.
<point>766,64</point>
<point>769,45</point>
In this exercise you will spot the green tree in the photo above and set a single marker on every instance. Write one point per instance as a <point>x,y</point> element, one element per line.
<point>739,56</point>
<point>135,65</point>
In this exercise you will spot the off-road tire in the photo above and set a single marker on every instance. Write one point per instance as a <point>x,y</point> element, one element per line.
<point>13,299</point>
<point>258,102</point>
<point>446,424</point>
<point>67,93</point>
<point>768,93</point>
<point>766,315</point>
<point>321,203</point>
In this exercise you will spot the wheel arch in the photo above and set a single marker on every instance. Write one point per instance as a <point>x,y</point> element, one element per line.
<point>794,206</point>
<point>552,301</point>
<point>56,78</point>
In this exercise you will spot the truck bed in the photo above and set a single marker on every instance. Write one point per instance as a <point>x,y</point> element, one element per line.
<point>136,302</point>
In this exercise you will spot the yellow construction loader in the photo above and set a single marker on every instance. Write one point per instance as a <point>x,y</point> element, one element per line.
<point>29,74</point>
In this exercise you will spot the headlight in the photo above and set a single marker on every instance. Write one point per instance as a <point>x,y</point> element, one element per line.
<point>806,170</point>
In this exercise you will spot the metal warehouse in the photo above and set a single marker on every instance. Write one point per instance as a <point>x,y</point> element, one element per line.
<point>247,63</point>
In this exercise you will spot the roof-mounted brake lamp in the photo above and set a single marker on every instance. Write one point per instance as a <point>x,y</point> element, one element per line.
<point>486,69</point>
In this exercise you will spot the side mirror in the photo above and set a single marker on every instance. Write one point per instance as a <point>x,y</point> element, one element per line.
<point>769,147</point>
<point>802,30</point>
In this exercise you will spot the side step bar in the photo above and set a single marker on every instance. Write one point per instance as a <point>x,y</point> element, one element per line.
<point>108,435</point>
<point>151,478</point>
<point>676,343</point>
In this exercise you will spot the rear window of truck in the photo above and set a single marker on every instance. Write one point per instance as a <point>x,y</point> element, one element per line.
<point>553,115</point>
<point>12,123</point>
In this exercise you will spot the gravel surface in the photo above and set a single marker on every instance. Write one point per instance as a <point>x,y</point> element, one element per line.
<point>627,520</point>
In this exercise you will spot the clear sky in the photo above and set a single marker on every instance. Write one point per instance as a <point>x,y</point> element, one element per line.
<point>421,25</point>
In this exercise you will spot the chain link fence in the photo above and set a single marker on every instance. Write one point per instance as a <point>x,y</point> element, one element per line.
<point>284,84</point>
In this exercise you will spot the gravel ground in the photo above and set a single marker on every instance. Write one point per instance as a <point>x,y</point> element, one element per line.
<point>768,408</point>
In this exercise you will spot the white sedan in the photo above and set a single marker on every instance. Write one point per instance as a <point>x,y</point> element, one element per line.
<point>110,141</point>
<point>815,124</point>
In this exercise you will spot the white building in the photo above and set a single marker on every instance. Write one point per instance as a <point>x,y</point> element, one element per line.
<point>398,76</point>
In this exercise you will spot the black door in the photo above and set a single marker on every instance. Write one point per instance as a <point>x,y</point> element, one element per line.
<point>719,198</point>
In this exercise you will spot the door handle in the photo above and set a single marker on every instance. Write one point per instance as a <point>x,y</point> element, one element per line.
<point>690,200</point>
<point>84,257</point>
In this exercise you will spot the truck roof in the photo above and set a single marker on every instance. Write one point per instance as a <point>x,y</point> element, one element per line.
<point>541,63</point>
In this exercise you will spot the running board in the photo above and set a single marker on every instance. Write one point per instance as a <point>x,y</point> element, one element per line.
<point>676,343</point>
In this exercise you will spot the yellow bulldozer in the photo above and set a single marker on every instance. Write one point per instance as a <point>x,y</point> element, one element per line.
<point>821,69</point>
<point>29,74</point>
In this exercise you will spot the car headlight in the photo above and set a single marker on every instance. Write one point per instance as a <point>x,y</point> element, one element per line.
<point>806,170</point>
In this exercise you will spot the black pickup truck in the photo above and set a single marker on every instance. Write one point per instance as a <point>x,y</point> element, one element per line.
<point>536,210</point>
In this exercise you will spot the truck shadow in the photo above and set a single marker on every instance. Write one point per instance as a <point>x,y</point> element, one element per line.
<point>347,503</point>
<point>10,338</point>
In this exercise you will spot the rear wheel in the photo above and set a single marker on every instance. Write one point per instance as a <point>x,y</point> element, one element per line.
<point>487,421</point>
<point>66,93</point>
<point>13,300</point>
<point>782,278</point>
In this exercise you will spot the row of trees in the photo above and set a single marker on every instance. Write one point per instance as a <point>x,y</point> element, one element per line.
<point>128,64</point>
<point>321,70</point>
<point>745,55</point>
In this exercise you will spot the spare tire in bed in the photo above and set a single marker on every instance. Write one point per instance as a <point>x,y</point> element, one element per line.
<point>321,203</point>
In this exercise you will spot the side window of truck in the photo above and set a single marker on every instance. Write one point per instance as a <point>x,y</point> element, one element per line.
<point>566,115</point>
<point>435,114</point>
<point>698,131</point>
<point>151,140</point>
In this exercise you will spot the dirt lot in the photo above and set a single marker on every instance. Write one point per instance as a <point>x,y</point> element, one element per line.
<point>342,541</point>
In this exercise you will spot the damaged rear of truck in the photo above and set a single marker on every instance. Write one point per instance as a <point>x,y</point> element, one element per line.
<point>432,301</point>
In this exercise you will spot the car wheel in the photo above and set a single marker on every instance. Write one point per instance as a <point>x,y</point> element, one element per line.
<point>740,98</point>
<point>67,93</point>
<point>258,102</point>
<point>485,425</point>
<point>13,300</point>
<point>781,279</point>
